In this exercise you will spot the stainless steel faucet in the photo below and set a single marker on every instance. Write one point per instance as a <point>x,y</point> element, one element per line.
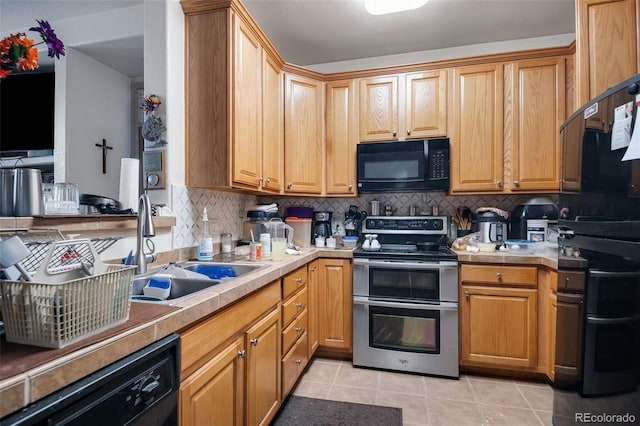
<point>145,230</point>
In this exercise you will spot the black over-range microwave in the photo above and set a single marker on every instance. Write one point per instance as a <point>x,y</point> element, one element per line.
<point>416,165</point>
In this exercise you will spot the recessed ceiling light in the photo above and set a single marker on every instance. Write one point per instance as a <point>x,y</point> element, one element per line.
<point>381,7</point>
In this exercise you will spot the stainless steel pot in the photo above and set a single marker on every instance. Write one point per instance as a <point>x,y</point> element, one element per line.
<point>27,197</point>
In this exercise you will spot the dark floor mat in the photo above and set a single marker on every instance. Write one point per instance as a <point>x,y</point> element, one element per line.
<point>298,410</point>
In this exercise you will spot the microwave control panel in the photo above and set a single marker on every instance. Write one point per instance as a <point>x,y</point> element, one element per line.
<point>439,162</point>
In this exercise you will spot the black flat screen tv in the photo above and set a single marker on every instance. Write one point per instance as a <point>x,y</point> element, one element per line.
<point>26,112</point>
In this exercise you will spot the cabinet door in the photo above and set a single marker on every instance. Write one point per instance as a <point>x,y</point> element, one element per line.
<point>538,111</point>
<point>572,136</point>
<point>213,395</point>
<point>426,104</point>
<point>247,111</point>
<point>477,130</point>
<point>335,304</point>
<point>272,138</point>
<point>313,287</point>
<point>379,108</point>
<point>553,320</point>
<point>606,45</point>
<point>569,331</point>
<point>263,369</point>
<point>303,159</point>
<point>498,326</point>
<point>341,137</point>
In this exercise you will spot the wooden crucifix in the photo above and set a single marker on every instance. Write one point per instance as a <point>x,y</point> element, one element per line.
<point>104,147</point>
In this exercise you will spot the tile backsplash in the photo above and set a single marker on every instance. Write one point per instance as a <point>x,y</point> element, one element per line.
<point>226,210</point>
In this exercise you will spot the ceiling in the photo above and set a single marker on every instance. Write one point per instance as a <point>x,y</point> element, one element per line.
<point>308,32</point>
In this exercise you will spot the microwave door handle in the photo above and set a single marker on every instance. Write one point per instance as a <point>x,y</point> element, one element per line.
<point>402,264</point>
<point>391,180</point>
<point>442,306</point>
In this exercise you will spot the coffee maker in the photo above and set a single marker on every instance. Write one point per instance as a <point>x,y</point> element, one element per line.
<point>321,225</point>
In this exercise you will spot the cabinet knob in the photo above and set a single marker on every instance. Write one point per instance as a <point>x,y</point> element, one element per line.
<point>566,280</point>
<point>395,133</point>
<point>499,183</point>
<point>298,329</point>
<point>351,186</point>
<point>312,269</point>
<point>298,361</point>
<point>299,281</point>
<point>408,132</point>
<point>242,353</point>
<point>289,185</point>
<point>254,341</point>
<point>268,180</point>
<point>516,182</point>
<point>499,276</point>
<point>298,305</point>
<point>260,179</point>
<point>466,293</point>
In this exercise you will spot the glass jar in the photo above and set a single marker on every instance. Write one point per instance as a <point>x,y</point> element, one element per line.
<point>226,242</point>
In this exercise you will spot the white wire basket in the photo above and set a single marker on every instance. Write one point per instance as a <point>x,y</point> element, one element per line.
<point>72,297</point>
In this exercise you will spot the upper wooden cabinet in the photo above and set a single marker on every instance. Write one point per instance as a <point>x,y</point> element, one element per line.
<point>233,104</point>
<point>379,108</point>
<point>538,111</point>
<point>476,135</point>
<point>303,132</point>
<point>607,34</point>
<point>341,138</point>
<point>403,106</point>
<point>426,104</point>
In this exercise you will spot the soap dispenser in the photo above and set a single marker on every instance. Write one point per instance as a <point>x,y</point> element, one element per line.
<point>205,248</point>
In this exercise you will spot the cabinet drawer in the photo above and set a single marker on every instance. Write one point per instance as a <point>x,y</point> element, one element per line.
<point>293,281</point>
<point>497,274</point>
<point>294,331</point>
<point>294,307</point>
<point>293,364</point>
<point>571,280</point>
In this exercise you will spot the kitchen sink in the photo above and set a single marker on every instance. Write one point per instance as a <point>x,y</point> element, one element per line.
<point>186,282</point>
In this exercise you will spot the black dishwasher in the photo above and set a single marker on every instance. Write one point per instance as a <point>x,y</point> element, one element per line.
<point>140,389</point>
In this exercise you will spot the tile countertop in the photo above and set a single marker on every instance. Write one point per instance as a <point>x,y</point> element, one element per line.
<point>24,388</point>
<point>508,258</point>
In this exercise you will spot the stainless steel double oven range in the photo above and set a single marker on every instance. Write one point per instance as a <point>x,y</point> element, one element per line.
<point>405,303</point>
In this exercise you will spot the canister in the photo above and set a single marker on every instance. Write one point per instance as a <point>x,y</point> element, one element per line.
<point>28,193</point>
<point>7,177</point>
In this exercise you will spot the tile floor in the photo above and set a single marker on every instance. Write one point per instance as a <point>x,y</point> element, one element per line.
<point>425,400</point>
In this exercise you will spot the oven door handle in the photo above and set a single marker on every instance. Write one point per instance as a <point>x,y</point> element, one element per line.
<point>403,264</point>
<point>612,321</point>
<point>442,306</point>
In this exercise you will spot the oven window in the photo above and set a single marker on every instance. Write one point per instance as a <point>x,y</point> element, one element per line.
<point>614,347</point>
<point>409,330</point>
<point>616,297</point>
<point>405,283</point>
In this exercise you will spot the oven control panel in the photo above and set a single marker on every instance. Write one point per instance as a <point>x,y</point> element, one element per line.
<point>406,224</point>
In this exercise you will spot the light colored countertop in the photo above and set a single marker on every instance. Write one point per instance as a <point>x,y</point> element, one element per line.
<point>24,388</point>
<point>508,258</point>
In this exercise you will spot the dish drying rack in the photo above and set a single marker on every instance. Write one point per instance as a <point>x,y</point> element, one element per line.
<point>38,241</point>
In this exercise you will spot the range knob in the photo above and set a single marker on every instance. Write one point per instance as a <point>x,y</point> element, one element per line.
<point>437,224</point>
<point>426,224</point>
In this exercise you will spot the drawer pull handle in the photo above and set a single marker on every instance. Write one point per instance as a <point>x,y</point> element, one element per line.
<point>254,341</point>
<point>312,269</point>
<point>298,361</point>
<point>394,133</point>
<point>298,305</point>
<point>242,353</point>
<point>299,329</point>
<point>499,275</point>
<point>566,280</point>
<point>466,293</point>
<point>299,280</point>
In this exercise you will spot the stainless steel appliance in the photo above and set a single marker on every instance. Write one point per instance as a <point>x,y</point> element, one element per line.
<point>492,226</point>
<point>405,297</point>
<point>536,208</point>
<point>321,225</point>
<point>140,389</point>
<point>600,206</point>
<point>416,165</point>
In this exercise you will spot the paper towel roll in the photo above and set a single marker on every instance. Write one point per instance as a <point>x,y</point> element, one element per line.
<point>129,169</point>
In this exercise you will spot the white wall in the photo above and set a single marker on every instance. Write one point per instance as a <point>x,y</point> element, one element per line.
<point>97,106</point>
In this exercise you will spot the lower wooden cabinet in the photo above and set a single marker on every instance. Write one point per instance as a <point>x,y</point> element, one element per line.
<point>313,287</point>
<point>335,304</point>
<point>295,308</point>
<point>230,368</point>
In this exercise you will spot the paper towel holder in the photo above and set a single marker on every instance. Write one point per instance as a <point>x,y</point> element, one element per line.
<point>153,167</point>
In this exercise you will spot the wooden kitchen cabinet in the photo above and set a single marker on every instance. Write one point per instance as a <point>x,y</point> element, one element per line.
<point>426,104</point>
<point>498,320</point>
<point>295,323</point>
<point>233,102</point>
<point>552,317</point>
<point>341,138</point>
<point>569,310</point>
<point>607,36</point>
<point>335,305</point>
<point>538,110</point>
<point>303,135</point>
<point>476,131</point>
<point>313,292</point>
<point>571,171</point>
<point>230,363</point>
<point>379,108</point>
